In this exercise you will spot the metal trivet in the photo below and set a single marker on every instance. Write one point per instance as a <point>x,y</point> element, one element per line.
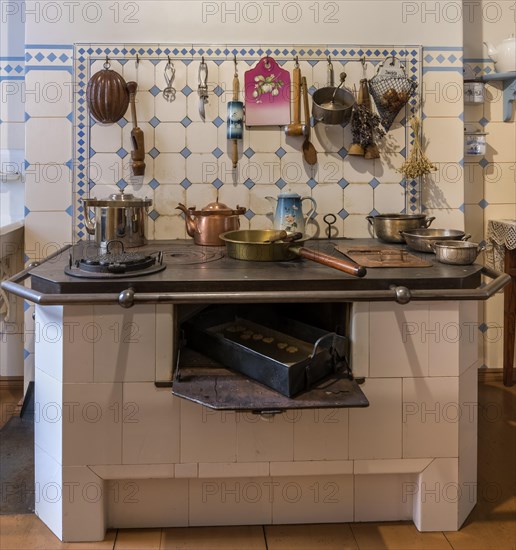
<point>189,255</point>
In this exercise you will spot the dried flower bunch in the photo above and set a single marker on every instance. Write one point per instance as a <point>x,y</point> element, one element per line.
<point>365,126</point>
<point>417,164</point>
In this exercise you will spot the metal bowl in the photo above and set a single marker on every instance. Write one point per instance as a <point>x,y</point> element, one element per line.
<point>457,252</point>
<point>388,227</point>
<point>423,239</point>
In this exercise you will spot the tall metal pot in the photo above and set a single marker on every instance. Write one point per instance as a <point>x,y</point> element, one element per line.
<point>120,217</point>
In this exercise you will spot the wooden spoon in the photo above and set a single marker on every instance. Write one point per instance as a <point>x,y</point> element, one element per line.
<point>309,152</point>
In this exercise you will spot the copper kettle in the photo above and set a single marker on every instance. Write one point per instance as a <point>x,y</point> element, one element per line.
<point>207,224</point>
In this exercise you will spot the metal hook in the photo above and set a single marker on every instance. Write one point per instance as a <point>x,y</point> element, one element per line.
<point>137,60</point>
<point>329,60</point>
<point>267,64</point>
<point>235,62</point>
<point>202,59</point>
<point>107,64</point>
<point>363,61</point>
<point>169,61</point>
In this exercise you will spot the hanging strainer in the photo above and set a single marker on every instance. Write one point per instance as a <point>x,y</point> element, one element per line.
<point>391,90</point>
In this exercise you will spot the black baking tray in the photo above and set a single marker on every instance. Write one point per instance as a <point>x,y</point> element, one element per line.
<point>282,353</point>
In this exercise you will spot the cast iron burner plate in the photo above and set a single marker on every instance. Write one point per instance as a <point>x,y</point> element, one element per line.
<point>119,265</point>
<point>188,255</point>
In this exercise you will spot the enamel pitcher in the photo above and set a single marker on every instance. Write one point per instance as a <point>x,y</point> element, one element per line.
<point>288,215</point>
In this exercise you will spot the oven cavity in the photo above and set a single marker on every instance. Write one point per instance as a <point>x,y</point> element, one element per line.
<point>267,357</point>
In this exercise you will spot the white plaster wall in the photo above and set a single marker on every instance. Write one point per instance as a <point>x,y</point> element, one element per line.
<point>345,21</point>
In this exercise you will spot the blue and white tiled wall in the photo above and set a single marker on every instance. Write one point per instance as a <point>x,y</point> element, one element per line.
<point>187,160</point>
<point>490,190</point>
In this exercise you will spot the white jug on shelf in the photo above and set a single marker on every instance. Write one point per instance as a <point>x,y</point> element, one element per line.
<point>504,55</point>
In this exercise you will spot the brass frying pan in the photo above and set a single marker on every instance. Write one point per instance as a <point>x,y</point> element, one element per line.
<point>261,246</point>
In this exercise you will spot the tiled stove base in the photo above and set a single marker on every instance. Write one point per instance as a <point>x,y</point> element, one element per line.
<point>114,451</point>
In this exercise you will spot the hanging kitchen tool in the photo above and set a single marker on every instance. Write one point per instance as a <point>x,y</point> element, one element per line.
<point>203,88</point>
<point>256,245</point>
<point>333,105</point>
<point>391,90</point>
<point>365,125</point>
<point>137,138</point>
<point>330,81</point>
<point>169,93</point>
<point>235,122</point>
<point>107,95</point>
<point>295,128</point>
<point>267,94</point>
<point>309,152</point>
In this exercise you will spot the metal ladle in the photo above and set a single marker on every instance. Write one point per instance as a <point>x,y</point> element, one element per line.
<point>332,105</point>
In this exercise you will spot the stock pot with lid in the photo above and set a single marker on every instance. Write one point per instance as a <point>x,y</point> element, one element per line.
<point>121,217</point>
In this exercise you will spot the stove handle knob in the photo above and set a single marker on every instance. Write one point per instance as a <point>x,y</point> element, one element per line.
<point>126,298</point>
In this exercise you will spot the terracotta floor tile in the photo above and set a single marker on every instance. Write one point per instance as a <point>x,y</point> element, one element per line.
<point>138,539</point>
<point>333,536</point>
<point>213,538</point>
<point>28,532</point>
<point>397,536</point>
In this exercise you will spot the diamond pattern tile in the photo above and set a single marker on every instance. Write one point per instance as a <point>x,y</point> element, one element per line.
<point>280,183</point>
<point>311,183</point>
<point>185,184</point>
<point>249,152</point>
<point>154,121</point>
<point>154,215</point>
<point>218,91</point>
<point>249,214</point>
<point>483,203</point>
<point>249,183</point>
<point>153,183</point>
<point>155,90</point>
<point>280,152</point>
<point>122,153</point>
<point>343,214</point>
<point>343,183</point>
<point>186,152</point>
<point>187,90</point>
<point>186,122</point>
<point>217,183</point>
<point>154,152</point>
<point>217,153</point>
<point>218,122</point>
<point>374,183</point>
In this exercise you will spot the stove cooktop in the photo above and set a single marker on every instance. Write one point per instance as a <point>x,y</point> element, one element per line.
<point>192,268</point>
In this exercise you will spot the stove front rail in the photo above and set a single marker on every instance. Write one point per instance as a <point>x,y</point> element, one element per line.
<point>128,297</point>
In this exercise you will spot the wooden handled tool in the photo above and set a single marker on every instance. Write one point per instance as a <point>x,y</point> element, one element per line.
<point>234,148</point>
<point>137,138</point>
<point>296,128</point>
<point>309,152</point>
<point>235,122</point>
<point>349,267</point>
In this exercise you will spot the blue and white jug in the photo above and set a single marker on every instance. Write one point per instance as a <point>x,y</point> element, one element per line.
<point>288,215</point>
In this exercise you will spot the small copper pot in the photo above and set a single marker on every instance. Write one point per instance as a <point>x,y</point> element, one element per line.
<point>207,224</point>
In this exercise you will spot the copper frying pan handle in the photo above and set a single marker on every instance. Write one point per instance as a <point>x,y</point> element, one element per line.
<point>348,267</point>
